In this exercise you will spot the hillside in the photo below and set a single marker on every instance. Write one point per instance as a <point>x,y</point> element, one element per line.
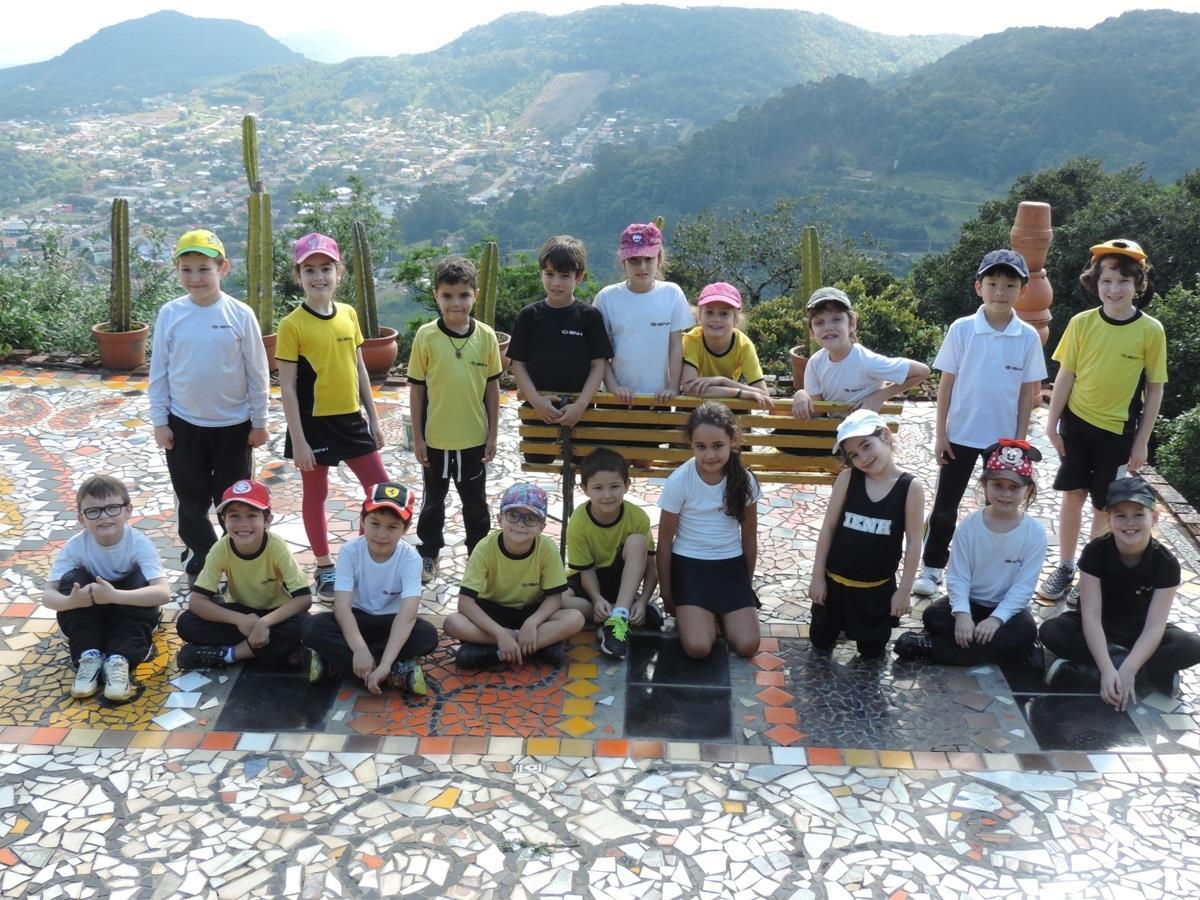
<point>166,52</point>
<point>971,121</point>
<point>659,61</point>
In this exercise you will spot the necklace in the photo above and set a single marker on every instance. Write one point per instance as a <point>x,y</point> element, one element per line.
<point>458,348</point>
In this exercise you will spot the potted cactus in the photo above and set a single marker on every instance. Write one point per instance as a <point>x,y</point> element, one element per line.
<point>489,291</point>
<point>810,280</point>
<point>259,250</point>
<point>120,341</point>
<point>379,347</point>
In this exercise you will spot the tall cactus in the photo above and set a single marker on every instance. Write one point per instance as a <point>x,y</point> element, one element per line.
<point>120,290</point>
<point>364,282</point>
<point>810,270</point>
<point>489,283</point>
<point>260,268</point>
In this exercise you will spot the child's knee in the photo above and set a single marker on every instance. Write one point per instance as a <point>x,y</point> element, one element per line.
<point>456,625</point>
<point>635,549</point>
<point>572,619</point>
<point>696,646</point>
<point>745,646</point>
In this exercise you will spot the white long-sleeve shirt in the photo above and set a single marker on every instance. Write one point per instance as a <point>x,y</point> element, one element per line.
<point>995,569</point>
<point>208,365</point>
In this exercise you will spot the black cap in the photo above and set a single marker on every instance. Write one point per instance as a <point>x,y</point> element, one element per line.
<point>1133,489</point>
<point>1010,258</point>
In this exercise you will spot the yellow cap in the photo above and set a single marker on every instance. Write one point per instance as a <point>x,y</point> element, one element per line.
<point>1119,247</point>
<point>200,241</point>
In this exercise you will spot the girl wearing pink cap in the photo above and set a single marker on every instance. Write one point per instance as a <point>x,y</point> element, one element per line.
<point>718,359</point>
<point>325,391</point>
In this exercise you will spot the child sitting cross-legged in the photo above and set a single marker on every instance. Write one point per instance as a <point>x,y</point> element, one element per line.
<point>105,587</point>
<point>510,602</point>
<point>374,630</point>
<point>269,595</point>
<point>610,553</point>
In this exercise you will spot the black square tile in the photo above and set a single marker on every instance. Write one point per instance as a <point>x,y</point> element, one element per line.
<point>677,713</point>
<point>659,659</point>
<point>1084,723</point>
<point>276,701</point>
<point>1023,678</point>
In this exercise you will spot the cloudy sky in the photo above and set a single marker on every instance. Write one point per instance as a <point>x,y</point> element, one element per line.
<point>363,27</point>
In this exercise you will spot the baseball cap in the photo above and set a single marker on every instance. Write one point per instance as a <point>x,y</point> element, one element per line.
<point>199,241</point>
<point>391,495</point>
<point>252,493</point>
<point>1132,488</point>
<point>1119,247</point>
<point>316,243</point>
<point>640,240</point>
<point>859,423</point>
<point>828,295</point>
<point>720,292</point>
<point>1010,258</point>
<point>524,496</point>
<point>1012,459</point>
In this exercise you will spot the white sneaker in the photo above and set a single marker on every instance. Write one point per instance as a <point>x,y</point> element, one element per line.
<point>87,675</point>
<point>928,582</point>
<point>116,679</point>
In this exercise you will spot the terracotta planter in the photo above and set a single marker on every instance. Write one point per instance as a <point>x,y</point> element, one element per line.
<point>504,340</point>
<point>269,345</point>
<point>1030,236</point>
<point>799,358</point>
<point>121,351</point>
<point>379,354</point>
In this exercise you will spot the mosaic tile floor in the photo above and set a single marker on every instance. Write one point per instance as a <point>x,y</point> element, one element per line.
<point>794,774</point>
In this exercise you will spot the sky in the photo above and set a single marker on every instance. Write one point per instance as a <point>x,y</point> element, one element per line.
<point>370,27</point>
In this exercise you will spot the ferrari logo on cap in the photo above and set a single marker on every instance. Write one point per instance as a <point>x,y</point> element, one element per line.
<point>391,492</point>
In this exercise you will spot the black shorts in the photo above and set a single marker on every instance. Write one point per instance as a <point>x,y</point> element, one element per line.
<point>1092,458</point>
<point>508,616</point>
<point>334,438</point>
<point>609,578</point>
<point>720,586</point>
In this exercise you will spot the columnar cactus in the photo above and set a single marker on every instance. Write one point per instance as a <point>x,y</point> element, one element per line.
<point>364,282</point>
<point>810,269</point>
<point>260,260</point>
<point>120,291</point>
<point>489,283</point>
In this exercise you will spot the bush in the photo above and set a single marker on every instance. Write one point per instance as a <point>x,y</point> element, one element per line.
<point>775,326</point>
<point>1177,312</point>
<point>1176,454</point>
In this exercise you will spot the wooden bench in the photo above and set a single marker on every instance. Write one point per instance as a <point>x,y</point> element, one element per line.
<point>766,436</point>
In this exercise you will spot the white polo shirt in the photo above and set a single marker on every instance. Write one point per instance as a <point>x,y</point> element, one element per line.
<point>989,368</point>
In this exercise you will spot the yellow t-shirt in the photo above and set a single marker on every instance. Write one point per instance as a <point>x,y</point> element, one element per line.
<point>494,574</point>
<point>455,370</point>
<point>740,360</point>
<point>266,580</point>
<point>325,350</point>
<point>1108,359</point>
<point>591,545</point>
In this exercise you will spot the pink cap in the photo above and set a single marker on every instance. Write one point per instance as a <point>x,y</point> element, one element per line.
<point>252,493</point>
<point>640,240</point>
<point>316,243</point>
<point>720,292</point>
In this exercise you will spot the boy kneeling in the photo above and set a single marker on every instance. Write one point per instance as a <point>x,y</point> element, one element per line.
<point>374,630</point>
<point>106,586</point>
<point>1125,592</point>
<point>269,594</point>
<point>510,601</point>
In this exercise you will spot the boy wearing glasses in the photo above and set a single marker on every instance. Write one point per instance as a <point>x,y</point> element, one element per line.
<point>510,602</point>
<point>106,586</point>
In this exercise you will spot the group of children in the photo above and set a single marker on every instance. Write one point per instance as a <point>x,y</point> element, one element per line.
<point>249,599</point>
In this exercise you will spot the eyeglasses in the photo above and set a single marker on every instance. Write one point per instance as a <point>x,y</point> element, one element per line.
<point>94,512</point>
<point>529,519</point>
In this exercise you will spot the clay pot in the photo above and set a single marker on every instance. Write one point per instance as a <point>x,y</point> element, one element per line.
<point>269,345</point>
<point>1031,233</point>
<point>379,354</point>
<point>799,358</point>
<point>503,340</point>
<point>121,351</point>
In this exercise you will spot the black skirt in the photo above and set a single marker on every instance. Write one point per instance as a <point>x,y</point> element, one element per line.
<point>718,585</point>
<point>334,438</point>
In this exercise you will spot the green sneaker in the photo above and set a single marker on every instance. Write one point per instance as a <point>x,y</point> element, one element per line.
<point>407,676</point>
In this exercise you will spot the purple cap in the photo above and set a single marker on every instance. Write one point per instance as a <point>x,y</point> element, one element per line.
<point>316,243</point>
<point>720,292</point>
<point>640,240</point>
<point>1010,258</point>
<point>524,496</point>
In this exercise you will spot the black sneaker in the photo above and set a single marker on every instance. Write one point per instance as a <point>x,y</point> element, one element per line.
<point>1035,657</point>
<point>319,669</point>
<point>554,655</point>
<point>198,656</point>
<point>324,579</point>
<point>1063,673</point>
<point>1164,684</point>
<point>913,645</point>
<point>614,636</point>
<point>477,656</point>
<point>653,619</point>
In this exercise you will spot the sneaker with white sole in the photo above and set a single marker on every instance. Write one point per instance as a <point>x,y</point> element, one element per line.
<point>87,675</point>
<point>928,582</point>
<point>325,577</point>
<point>429,569</point>
<point>614,636</point>
<point>1058,582</point>
<point>116,679</point>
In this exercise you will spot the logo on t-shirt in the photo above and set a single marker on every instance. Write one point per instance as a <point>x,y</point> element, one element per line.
<point>867,524</point>
<point>220,326</point>
<point>571,333</point>
<point>1014,562</point>
<point>344,338</point>
<point>658,324</point>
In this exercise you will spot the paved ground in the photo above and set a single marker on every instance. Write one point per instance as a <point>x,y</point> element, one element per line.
<point>786,775</point>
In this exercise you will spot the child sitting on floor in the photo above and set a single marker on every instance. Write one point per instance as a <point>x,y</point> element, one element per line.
<point>106,586</point>
<point>510,602</point>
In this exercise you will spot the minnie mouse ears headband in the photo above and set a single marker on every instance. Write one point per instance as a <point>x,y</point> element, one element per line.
<point>1012,459</point>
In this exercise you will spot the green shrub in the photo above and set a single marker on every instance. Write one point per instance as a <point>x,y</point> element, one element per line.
<point>888,322</point>
<point>1176,457</point>
<point>1177,310</point>
<point>775,326</point>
